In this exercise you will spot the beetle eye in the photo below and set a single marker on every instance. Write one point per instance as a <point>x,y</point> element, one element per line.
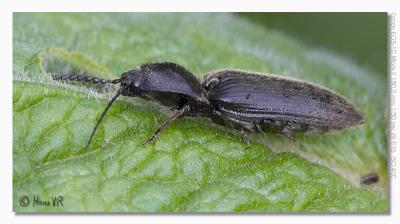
<point>211,83</point>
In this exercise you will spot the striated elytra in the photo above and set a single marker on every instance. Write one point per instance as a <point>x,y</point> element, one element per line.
<point>242,100</point>
<point>261,102</point>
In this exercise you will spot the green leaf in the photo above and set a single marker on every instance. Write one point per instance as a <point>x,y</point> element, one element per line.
<point>194,165</point>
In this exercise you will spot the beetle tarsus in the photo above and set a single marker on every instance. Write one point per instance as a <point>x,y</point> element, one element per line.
<point>166,123</point>
<point>245,138</point>
<point>288,134</point>
<point>150,140</point>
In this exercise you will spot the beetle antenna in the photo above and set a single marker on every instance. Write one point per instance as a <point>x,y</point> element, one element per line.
<point>101,118</point>
<point>84,78</point>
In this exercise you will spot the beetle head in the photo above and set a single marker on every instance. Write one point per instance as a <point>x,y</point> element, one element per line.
<point>130,81</point>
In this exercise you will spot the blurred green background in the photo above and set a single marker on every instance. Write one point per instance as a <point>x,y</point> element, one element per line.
<point>361,37</point>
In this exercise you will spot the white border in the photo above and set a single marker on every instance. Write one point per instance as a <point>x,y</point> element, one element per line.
<point>7,216</point>
<point>204,5</point>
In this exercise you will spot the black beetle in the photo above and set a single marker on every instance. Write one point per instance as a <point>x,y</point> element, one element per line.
<point>238,99</point>
<point>269,103</point>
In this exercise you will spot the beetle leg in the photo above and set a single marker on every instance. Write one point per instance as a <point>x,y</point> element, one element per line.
<point>245,137</point>
<point>287,132</point>
<point>225,119</point>
<point>166,123</point>
<point>258,127</point>
<point>229,123</point>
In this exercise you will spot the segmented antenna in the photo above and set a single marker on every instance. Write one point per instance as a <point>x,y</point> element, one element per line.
<point>84,78</point>
<point>101,117</point>
<point>92,79</point>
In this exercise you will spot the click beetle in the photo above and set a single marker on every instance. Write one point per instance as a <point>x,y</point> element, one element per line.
<point>245,101</point>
